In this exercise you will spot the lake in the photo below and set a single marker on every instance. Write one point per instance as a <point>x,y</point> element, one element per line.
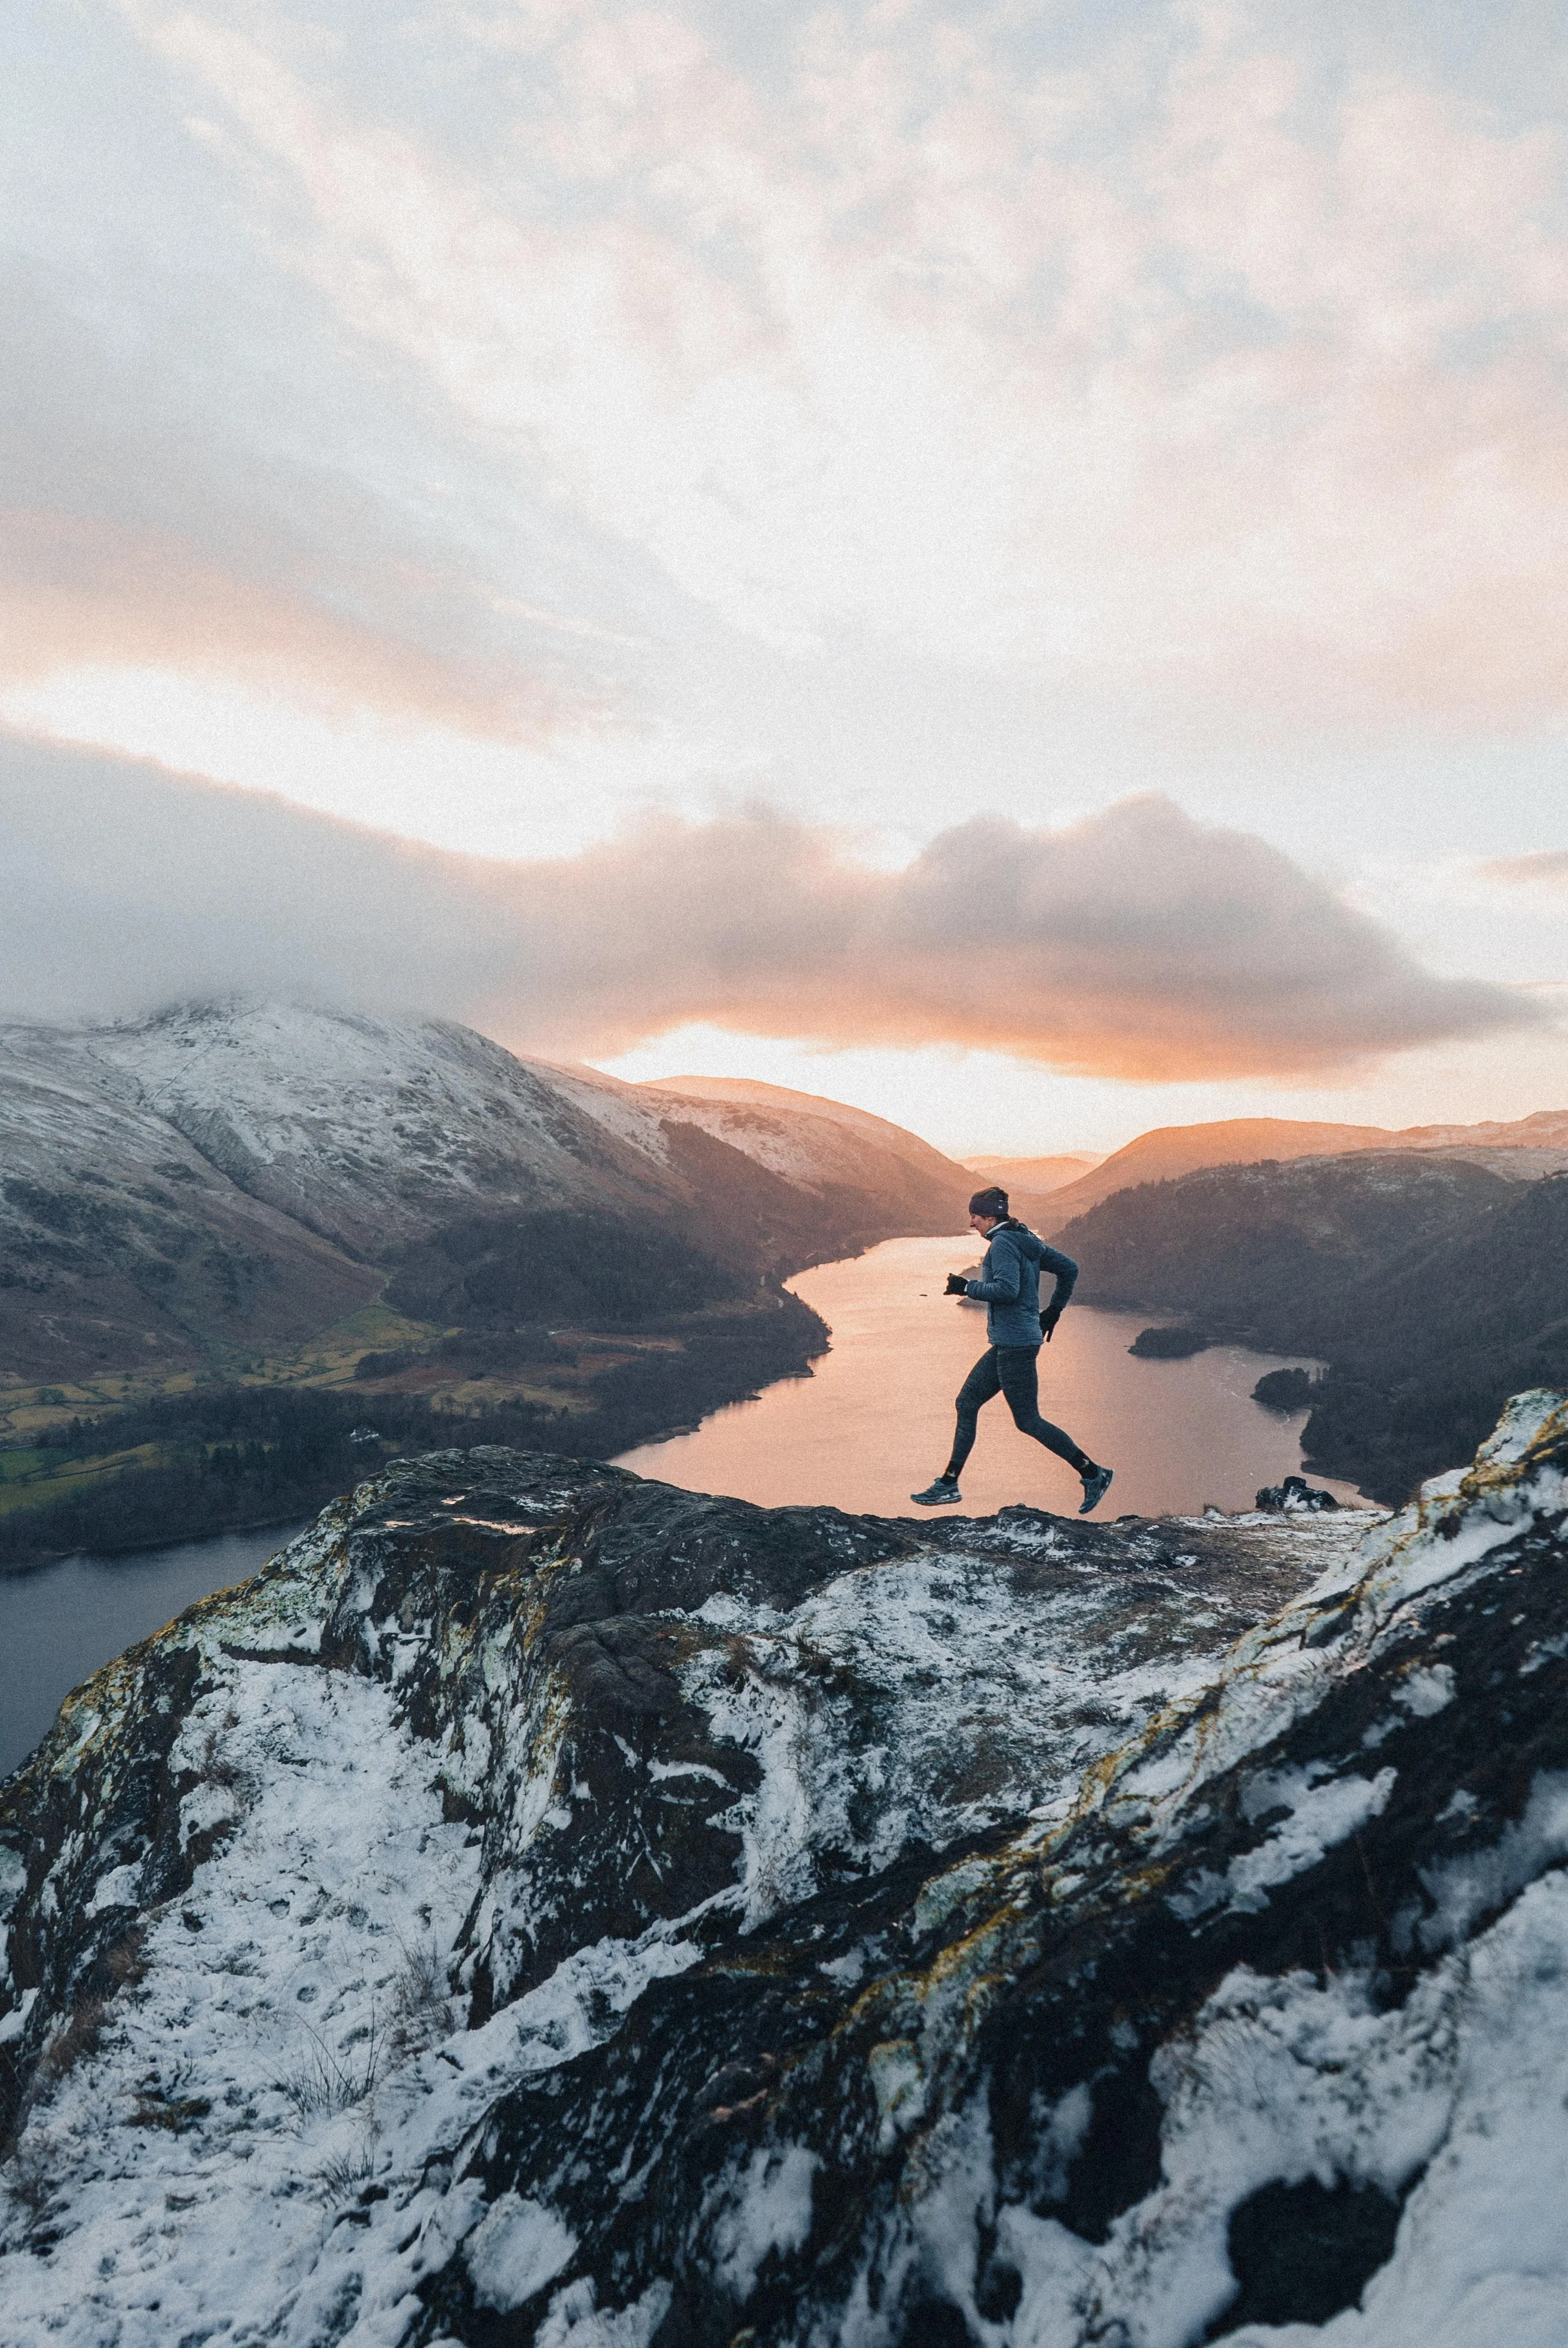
<point>875,1420</point>
<point>61,1622</point>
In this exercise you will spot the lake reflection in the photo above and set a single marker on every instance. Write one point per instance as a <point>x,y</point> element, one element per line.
<point>874,1421</point>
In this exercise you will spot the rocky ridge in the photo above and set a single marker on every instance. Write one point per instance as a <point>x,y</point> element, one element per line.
<point>547,1907</point>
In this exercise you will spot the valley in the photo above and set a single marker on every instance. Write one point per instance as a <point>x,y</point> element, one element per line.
<point>250,1252</point>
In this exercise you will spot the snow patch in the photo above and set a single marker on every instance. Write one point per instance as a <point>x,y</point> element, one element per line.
<point>576,2320</point>
<point>116,1890</point>
<point>1426,1690</point>
<point>1320,1817</point>
<point>15,2022</point>
<point>767,2208</point>
<point>515,2250</point>
<point>1478,1880</point>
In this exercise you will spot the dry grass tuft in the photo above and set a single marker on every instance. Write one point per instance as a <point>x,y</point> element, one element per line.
<point>347,2173</point>
<point>332,2082</point>
<point>422,2006</point>
<point>77,2035</point>
<point>127,1962</point>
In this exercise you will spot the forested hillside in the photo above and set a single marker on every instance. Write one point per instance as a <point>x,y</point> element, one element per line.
<point>1433,1289</point>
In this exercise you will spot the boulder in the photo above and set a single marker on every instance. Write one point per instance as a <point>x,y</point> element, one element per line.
<point>1297,1496</point>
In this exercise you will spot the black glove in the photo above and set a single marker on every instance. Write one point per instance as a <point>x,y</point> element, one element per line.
<point>957,1284</point>
<point>1047,1321</point>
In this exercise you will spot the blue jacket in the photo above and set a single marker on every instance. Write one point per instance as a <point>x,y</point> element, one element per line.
<point>1009,1283</point>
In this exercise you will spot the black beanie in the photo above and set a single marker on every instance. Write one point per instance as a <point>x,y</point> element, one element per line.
<point>992,1202</point>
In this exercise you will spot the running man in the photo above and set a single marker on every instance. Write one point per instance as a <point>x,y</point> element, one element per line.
<point>1010,1285</point>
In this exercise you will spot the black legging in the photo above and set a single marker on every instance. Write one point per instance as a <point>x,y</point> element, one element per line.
<point>1013,1371</point>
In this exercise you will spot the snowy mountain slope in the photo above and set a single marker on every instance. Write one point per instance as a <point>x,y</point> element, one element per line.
<point>224,1175</point>
<point>844,1157</point>
<point>120,1244</point>
<point>364,1128</point>
<point>758,1109</point>
<point>552,1907</point>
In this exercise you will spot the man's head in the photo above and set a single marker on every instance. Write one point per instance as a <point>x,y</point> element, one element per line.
<point>988,1209</point>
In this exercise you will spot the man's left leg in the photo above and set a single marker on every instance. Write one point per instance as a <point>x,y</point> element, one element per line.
<point>1018,1369</point>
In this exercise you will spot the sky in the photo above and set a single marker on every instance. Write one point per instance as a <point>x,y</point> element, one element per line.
<point>1006,564</point>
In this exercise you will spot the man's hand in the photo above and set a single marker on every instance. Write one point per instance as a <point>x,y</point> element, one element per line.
<point>957,1284</point>
<point>1047,1321</point>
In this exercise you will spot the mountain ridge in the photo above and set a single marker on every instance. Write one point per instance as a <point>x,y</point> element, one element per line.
<point>1036,1177</point>
<point>1430,1284</point>
<point>1524,1149</point>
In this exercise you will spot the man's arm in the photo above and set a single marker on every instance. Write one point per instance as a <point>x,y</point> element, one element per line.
<point>1053,1260</point>
<point>1006,1270</point>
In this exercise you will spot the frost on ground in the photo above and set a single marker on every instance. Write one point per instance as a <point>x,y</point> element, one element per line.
<point>546,1906</point>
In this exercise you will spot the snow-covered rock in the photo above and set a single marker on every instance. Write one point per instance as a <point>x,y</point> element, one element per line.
<point>549,1906</point>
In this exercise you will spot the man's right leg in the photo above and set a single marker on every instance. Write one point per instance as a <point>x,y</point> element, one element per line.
<point>982,1384</point>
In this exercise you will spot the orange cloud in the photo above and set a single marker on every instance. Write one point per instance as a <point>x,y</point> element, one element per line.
<point>1137,944</point>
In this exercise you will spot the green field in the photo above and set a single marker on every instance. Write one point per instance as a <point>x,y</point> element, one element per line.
<point>35,1478</point>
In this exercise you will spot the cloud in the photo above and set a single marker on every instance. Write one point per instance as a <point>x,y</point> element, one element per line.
<point>1217,352</point>
<point>160,513</point>
<point>82,591</point>
<point>1545,868</point>
<point>1137,944</point>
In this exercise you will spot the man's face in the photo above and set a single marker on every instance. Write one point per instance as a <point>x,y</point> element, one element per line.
<point>984,1224</point>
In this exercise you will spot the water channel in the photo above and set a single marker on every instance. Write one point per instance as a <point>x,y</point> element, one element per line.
<point>871,1423</point>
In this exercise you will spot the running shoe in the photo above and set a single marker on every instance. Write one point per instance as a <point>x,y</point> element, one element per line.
<point>939,1495</point>
<point>1095,1488</point>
